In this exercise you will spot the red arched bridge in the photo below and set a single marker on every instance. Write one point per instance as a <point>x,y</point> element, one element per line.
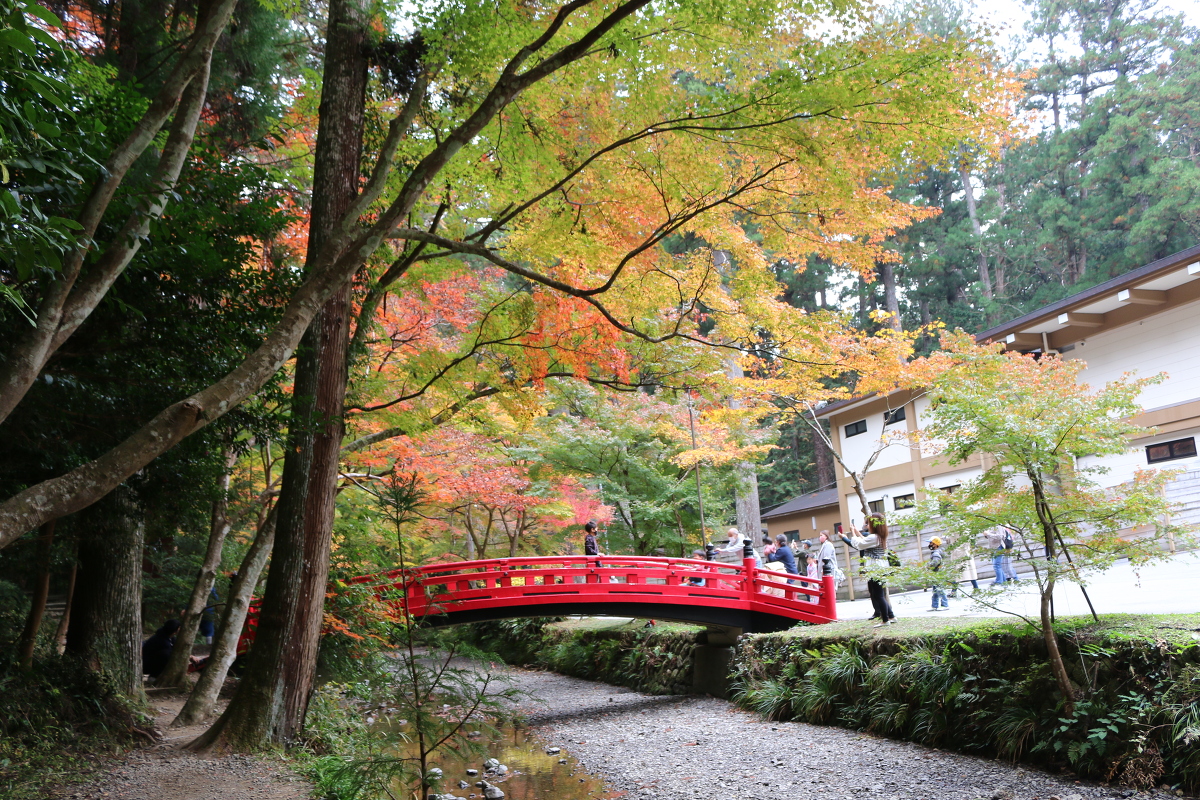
<point>679,589</point>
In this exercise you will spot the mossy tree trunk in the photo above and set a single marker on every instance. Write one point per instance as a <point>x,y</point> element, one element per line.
<point>106,611</point>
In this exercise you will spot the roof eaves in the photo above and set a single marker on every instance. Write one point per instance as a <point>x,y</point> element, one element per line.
<point>1151,270</point>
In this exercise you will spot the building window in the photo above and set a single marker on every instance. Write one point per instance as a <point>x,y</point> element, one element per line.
<point>876,506</point>
<point>1169,451</point>
<point>903,501</point>
<point>893,416</point>
<point>855,428</point>
<point>792,536</point>
<point>951,489</point>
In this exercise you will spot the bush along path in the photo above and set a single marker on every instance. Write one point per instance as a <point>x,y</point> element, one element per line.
<point>985,687</point>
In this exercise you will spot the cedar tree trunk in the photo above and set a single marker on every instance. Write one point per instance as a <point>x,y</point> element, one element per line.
<point>272,698</point>
<point>107,608</point>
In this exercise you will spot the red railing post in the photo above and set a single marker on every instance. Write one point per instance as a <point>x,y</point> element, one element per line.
<point>829,597</point>
<point>751,567</point>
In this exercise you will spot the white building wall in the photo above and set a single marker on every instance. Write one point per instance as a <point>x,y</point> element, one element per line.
<point>857,449</point>
<point>1168,342</point>
<point>952,479</point>
<point>887,494</point>
<point>1123,467</point>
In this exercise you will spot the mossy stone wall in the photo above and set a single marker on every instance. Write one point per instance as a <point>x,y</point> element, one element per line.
<point>985,687</point>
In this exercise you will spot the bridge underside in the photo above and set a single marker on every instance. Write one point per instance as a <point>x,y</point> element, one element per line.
<point>745,620</point>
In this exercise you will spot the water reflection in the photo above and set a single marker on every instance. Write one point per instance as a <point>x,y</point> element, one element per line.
<point>533,774</point>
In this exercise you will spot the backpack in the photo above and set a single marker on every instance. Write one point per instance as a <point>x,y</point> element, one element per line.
<point>893,559</point>
<point>1008,540</point>
<point>935,560</point>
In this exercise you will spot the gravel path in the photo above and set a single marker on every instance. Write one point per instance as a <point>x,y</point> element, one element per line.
<point>162,772</point>
<point>690,748</point>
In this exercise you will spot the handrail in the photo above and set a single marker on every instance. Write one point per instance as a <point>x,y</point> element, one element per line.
<point>539,580</point>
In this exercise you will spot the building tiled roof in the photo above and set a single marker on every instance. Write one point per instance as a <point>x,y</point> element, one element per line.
<point>805,502</point>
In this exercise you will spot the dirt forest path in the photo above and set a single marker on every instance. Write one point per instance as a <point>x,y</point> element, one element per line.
<point>163,772</point>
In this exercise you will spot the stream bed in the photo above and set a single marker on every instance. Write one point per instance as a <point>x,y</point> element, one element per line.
<point>532,773</point>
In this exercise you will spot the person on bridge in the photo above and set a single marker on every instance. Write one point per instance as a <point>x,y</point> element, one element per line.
<point>826,557</point>
<point>699,555</point>
<point>591,547</point>
<point>872,546</point>
<point>782,553</point>
<point>734,542</point>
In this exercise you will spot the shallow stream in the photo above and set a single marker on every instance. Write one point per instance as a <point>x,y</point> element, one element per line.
<point>533,774</point>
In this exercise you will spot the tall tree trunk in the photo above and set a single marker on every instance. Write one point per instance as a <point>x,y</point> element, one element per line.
<point>273,696</point>
<point>746,504</point>
<point>999,274</point>
<point>887,274</point>
<point>106,611</point>
<point>41,590</point>
<point>175,673</point>
<point>826,473</point>
<point>985,277</point>
<point>316,523</point>
<point>64,622</point>
<point>200,702</point>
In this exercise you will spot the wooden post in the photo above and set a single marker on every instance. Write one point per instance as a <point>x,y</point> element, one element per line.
<point>751,567</point>
<point>849,571</point>
<point>829,596</point>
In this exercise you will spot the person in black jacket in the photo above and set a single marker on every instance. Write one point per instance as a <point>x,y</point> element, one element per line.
<point>781,552</point>
<point>590,546</point>
<point>157,649</point>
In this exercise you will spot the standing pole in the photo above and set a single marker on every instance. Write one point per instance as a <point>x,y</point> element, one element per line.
<point>1082,588</point>
<point>696,472</point>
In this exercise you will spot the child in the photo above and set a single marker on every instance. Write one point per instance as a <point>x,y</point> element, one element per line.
<point>935,564</point>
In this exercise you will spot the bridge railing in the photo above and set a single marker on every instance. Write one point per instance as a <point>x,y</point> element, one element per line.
<point>554,580</point>
<point>430,589</point>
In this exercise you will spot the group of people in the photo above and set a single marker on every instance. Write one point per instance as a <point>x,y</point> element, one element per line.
<point>156,650</point>
<point>871,542</point>
<point>780,554</point>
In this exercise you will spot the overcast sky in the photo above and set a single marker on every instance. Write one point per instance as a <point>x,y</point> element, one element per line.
<point>1010,16</point>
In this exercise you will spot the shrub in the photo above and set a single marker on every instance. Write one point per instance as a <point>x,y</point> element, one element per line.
<point>52,717</point>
